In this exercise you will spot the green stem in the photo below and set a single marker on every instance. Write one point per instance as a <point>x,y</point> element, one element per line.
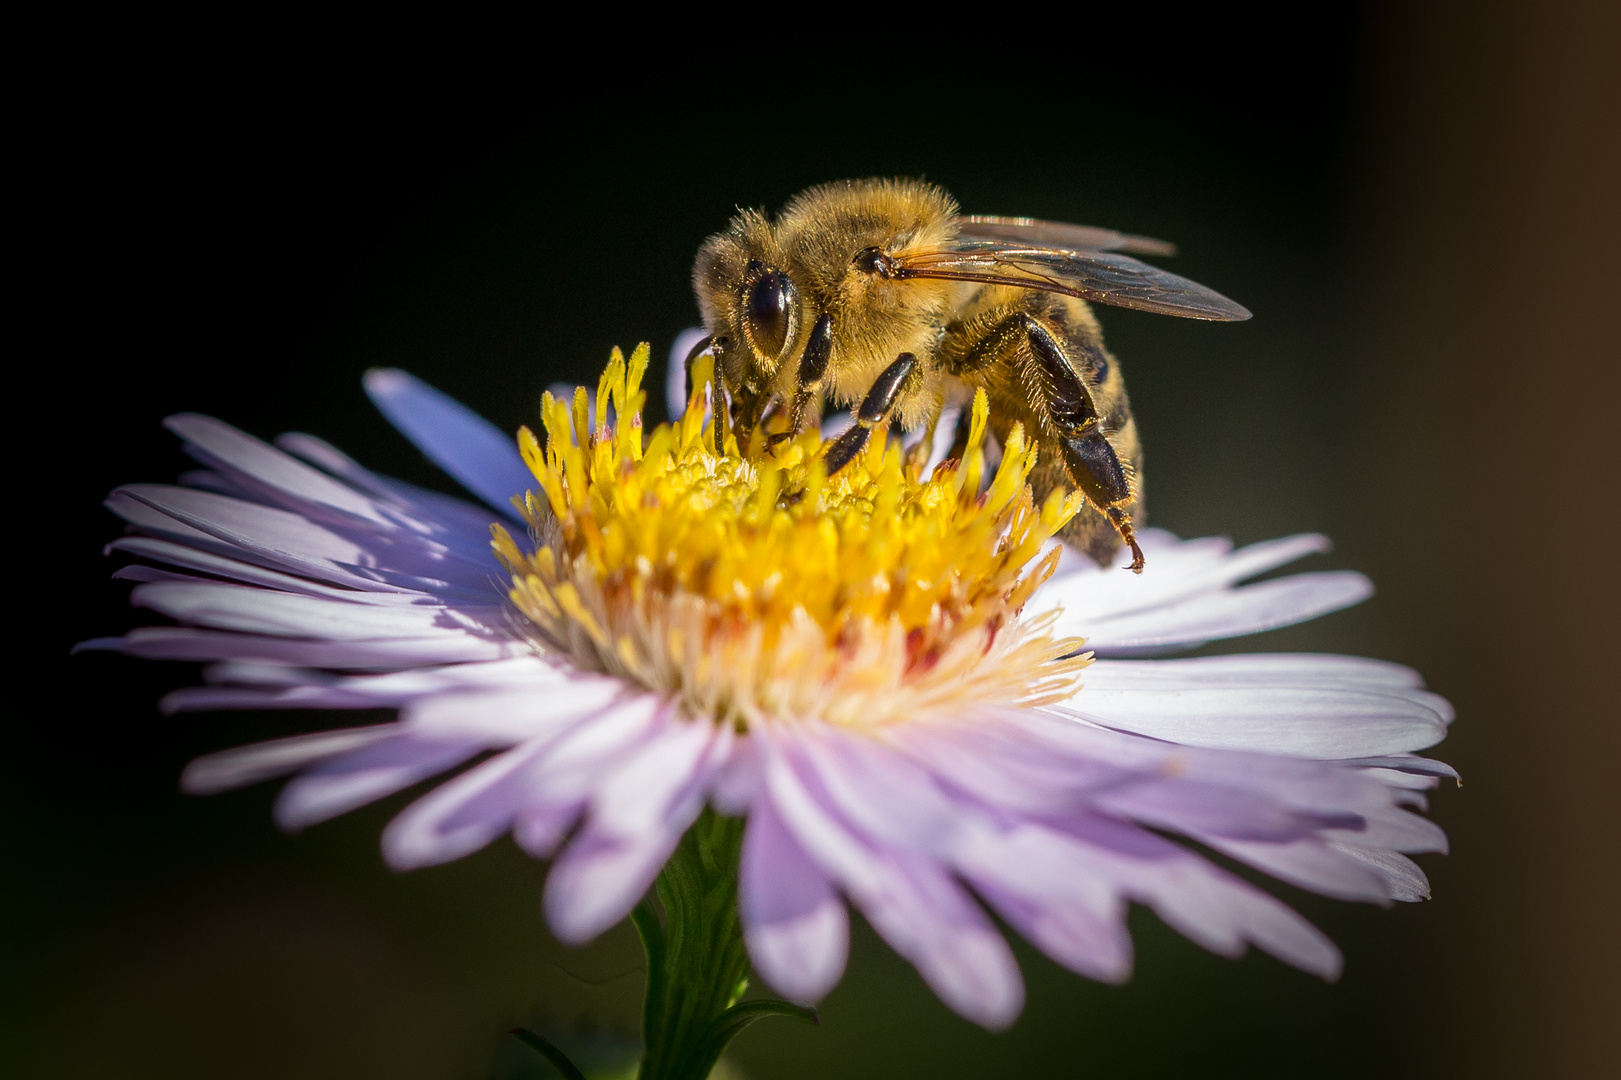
<point>697,966</point>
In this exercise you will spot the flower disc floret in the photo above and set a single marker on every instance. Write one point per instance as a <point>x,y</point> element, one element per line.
<point>756,586</point>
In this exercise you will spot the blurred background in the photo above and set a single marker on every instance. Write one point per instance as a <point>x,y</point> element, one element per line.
<point>1419,203</point>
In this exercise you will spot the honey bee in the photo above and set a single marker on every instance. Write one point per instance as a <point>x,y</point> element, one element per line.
<point>879,294</point>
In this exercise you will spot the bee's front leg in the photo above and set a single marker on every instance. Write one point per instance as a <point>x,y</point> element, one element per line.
<point>874,410</point>
<point>812,369</point>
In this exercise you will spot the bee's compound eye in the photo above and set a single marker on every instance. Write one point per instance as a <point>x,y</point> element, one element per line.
<point>771,313</point>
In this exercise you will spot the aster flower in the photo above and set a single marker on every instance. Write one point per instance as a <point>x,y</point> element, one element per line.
<point>887,688</point>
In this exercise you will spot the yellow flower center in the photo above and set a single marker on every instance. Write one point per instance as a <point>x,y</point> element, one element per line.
<point>757,588</point>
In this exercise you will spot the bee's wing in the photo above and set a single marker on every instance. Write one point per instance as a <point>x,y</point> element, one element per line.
<point>1103,277</point>
<point>1033,232</point>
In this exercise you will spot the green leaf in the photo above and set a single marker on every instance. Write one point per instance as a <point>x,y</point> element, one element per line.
<point>551,1053</point>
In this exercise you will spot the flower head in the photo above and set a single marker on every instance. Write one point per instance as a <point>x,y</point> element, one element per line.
<point>882,671</point>
<point>753,588</point>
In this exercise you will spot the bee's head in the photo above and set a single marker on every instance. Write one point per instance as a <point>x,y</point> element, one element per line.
<point>749,300</point>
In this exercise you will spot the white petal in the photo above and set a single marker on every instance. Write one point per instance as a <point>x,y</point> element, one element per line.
<point>1296,721</point>
<point>464,444</point>
<point>797,930</point>
<point>675,372</point>
<point>1252,669</point>
<point>1176,570</point>
<point>1223,614</point>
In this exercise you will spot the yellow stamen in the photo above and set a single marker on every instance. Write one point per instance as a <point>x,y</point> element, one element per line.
<point>756,587</point>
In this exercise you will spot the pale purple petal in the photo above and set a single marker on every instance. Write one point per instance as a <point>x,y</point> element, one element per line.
<point>1049,888</point>
<point>249,685</point>
<point>1311,864</point>
<point>251,573</point>
<point>1395,829</point>
<point>499,717</point>
<point>287,541</point>
<point>463,815</point>
<point>637,817</point>
<point>471,449</point>
<point>1403,879</point>
<point>596,881</point>
<point>1206,904</point>
<point>269,473</point>
<point>354,779</point>
<point>224,606</point>
<point>795,924</point>
<point>185,643</point>
<point>277,538</point>
<point>460,526</point>
<point>928,918</point>
<point>244,765</point>
<point>910,900</point>
<point>570,772</point>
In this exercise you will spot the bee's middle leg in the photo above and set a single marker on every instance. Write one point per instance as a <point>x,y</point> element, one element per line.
<point>874,410</point>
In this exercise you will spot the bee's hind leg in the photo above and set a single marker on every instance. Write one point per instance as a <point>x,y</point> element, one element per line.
<point>1027,344</point>
<point>1122,523</point>
<point>874,410</point>
<point>1088,455</point>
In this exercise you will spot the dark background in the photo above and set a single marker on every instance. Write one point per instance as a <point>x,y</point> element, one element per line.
<point>1418,202</point>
